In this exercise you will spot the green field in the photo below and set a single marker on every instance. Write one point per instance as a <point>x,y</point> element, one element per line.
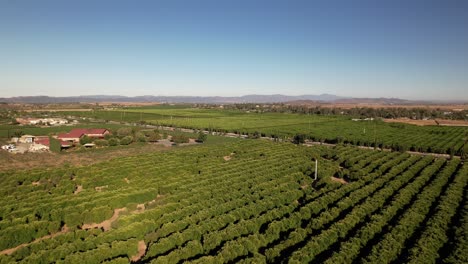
<point>330,129</point>
<point>9,130</point>
<point>243,201</point>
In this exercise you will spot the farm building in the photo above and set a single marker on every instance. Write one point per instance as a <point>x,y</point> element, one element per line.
<point>43,140</point>
<point>26,139</point>
<point>77,133</point>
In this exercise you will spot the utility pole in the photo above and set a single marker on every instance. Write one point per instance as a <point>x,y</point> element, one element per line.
<point>316,168</point>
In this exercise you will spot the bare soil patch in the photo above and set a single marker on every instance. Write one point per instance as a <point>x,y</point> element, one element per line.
<point>100,188</point>
<point>127,180</point>
<point>342,181</point>
<point>412,121</point>
<point>164,142</point>
<point>36,183</point>
<point>446,122</point>
<point>141,251</point>
<point>226,158</point>
<point>78,189</point>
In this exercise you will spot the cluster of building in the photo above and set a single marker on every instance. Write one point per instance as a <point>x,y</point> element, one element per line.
<point>42,143</point>
<point>42,121</point>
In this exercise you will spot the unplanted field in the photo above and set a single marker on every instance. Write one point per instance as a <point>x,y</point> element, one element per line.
<point>429,122</point>
<point>244,201</point>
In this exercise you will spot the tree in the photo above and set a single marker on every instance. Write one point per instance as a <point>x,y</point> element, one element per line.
<point>85,140</point>
<point>126,140</point>
<point>114,142</point>
<point>201,137</point>
<point>299,139</point>
<point>101,142</point>
<point>18,133</point>
<point>124,131</point>
<point>451,152</point>
<point>255,135</point>
<point>54,145</point>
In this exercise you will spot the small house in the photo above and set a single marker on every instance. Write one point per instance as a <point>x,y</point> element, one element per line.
<point>26,139</point>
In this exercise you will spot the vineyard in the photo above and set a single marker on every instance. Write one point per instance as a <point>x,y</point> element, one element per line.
<point>329,129</point>
<point>245,201</point>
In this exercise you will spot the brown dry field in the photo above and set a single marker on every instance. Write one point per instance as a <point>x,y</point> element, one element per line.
<point>440,122</point>
<point>59,110</point>
<point>10,161</point>
<point>412,122</point>
<point>446,122</point>
<point>128,103</point>
<point>453,107</point>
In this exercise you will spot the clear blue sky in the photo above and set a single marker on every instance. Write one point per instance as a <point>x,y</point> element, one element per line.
<point>406,49</point>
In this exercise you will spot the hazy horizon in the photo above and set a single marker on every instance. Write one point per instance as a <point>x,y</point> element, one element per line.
<point>414,50</point>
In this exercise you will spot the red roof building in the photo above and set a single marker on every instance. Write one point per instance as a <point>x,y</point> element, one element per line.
<point>77,133</point>
<point>43,141</point>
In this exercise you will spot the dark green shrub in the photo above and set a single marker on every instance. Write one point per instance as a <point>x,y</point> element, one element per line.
<point>201,137</point>
<point>101,142</point>
<point>126,140</point>
<point>299,139</point>
<point>85,140</point>
<point>180,138</point>
<point>114,142</point>
<point>140,137</point>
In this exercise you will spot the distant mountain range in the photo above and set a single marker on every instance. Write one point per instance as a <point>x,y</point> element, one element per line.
<point>275,98</point>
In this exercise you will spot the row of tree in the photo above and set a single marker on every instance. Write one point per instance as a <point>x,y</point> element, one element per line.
<point>361,112</point>
<point>392,243</point>
<point>434,236</point>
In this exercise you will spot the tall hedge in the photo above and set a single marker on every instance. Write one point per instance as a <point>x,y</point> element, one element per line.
<point>54,145</point>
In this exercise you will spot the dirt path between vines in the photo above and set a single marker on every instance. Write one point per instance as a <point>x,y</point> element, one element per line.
<point>141,251</point>
<point>342,181</point>
<point>10,251</point>
<point>106,224</point>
